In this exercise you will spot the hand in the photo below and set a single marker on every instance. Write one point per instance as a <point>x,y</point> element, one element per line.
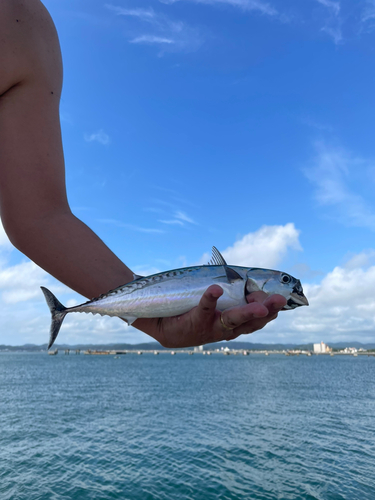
<point>202,325</point>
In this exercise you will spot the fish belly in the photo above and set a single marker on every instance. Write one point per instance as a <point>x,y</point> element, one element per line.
<point>158,300</point>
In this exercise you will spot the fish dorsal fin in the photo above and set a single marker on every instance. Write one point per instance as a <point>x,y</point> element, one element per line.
<point>137,276</point>
<point>217,259</point>
<point>232,275</point>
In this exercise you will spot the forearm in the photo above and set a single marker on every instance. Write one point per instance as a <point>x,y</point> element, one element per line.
<point>69,250</point>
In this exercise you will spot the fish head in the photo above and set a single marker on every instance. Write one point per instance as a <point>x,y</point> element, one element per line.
<point>272,282</point>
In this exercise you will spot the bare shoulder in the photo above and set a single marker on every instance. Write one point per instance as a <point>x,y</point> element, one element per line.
<point>29,46</point>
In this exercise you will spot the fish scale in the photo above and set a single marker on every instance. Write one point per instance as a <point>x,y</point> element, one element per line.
<point>170,293</point>
<point>176,292</point>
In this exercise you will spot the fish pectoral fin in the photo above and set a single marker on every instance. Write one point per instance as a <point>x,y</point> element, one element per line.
<point>251,286</point>
<point>129,319</point>
<point>217,259</point>
<point>232,275</point>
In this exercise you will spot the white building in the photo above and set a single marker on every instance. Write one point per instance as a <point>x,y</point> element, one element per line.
<point>321,348</point>
<point>351,350</point>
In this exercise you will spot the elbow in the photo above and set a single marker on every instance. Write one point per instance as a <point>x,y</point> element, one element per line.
<point>9,229</point>
<point>27,231</point>
<point>16,231</point>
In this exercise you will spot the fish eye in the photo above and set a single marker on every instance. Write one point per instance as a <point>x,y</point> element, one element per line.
<point>285,278</point>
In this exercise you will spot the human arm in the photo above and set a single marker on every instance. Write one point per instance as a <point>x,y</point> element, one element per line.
<point>33,201</point>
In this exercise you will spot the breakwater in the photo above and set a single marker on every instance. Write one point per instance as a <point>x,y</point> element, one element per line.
<point>226,352</point>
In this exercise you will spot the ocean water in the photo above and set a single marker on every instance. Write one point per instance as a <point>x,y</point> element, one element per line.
<point>186,427</point>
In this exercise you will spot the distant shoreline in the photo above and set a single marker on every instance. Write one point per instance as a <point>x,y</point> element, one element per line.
<point>155,346</point>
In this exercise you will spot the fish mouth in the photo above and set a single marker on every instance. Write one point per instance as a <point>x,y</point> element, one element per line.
<point>297,300</point>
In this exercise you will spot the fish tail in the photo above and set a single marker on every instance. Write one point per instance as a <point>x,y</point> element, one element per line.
<point>58,313</point>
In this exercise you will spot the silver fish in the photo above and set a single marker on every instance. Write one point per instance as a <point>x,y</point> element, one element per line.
<point>175,292</point>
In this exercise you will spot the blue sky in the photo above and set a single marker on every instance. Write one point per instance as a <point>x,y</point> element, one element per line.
<point>244,124</point>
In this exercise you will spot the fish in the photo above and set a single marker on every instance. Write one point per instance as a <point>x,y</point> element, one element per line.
<point>175,292</point>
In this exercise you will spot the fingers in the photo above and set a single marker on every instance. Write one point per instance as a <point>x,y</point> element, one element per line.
<point>216,326</point>
<point>207,304</point>
<point>275,303</point>
<point>267,300</point>
<point>235,317</point>
<point>256,297</point>
<point>261,309</point>
<point>206,318</point>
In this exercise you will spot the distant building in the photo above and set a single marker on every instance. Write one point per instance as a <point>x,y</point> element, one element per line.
<point>198,349</point>
<point>351,350</point>
<point>322,348</point>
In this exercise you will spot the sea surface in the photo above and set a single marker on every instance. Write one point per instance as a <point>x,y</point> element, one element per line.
<point>186,427</point>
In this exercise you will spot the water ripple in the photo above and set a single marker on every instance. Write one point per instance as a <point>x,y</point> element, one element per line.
<point>186,427</point>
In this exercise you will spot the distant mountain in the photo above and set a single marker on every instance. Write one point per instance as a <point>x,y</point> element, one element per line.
<point>150,346</point>
<point>358,345</point>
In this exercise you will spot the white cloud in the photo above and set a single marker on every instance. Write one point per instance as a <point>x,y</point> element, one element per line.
<point>179,219</point>
<point>332,171</point>
<point>333,23</point>
<point>21,315</point>
<point>172,222</point>
<point>182,216</point>
<point>143,14</point>
<point>369,12</point>
<point>87,328</point>
<point>21,282</point>
<point>29,322</point>
<point>330,4</point>
<point>361,260</point>
<point>342,308</point>
<point>334,32</point>
<point>166,33</point>
<point>263,248</point>
<point>151,39</point>
<point>133,227</point>
<point>368,16</point>
<point>247,5</point>
<point>99,136</point>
